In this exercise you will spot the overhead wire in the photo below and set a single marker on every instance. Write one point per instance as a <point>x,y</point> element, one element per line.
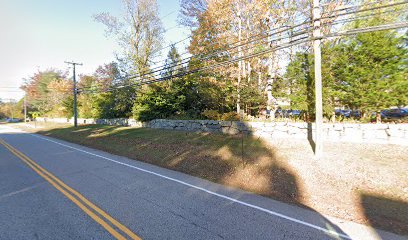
<point>382,27</point>
<point>368,16</point>
<point>290,43</point>
<point>218,52</point>
<point>183,61</point>
<point>349,32</point>
<point>148,77</point>
<point>235,45</point>
<point>364,10</point>
<point>303,21</point>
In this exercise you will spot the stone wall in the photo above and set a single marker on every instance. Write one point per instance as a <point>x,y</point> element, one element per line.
<point>348,132</point>
<point>227,127</point>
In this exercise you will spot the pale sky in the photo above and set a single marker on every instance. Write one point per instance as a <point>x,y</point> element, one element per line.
<point>42,34</point>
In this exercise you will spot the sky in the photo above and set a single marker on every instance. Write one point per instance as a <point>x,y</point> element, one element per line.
<point>42,34</point>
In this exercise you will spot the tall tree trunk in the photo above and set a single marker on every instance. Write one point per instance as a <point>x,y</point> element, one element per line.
<point>249,71</point>
<point>259,74</point>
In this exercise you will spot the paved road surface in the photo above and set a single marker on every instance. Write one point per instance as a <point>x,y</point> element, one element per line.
<point>51,189</point>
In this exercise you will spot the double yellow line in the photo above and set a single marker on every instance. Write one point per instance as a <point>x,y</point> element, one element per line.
<point>88,207</point>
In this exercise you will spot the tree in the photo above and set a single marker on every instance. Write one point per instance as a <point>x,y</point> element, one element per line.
<point>367,72</point>
<point>46,90</point>
<point>60,98</point>
<point>173,64</point>
<point>106,94</point>
<point>371,68</point>
<point>300,81</point>
<point>11,109</point>
<point>139,33</point>
<point>373,71</point>
<point>232,26</point>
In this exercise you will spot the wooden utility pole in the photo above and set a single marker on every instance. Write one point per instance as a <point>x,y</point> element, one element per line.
<point>318,79</point>
<point>239,62</point>
<point>272,68</point>
<point>75,92</point>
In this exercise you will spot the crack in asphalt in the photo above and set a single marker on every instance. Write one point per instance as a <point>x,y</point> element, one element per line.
<point>26,189</point>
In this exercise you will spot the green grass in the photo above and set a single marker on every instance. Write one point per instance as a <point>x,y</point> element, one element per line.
<point>211,156</point>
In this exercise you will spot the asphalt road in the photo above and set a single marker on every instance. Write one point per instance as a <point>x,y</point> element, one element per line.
<point>51,189</point>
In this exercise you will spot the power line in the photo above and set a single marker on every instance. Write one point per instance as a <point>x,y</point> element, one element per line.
<point>157,70</point>
<point>219,51</point>
<point>168,14</point>
<point>382,27</point>
<point>365,10</point>
<point>187,52</point>
<point>157,75</point>
<point>173,44</point>
<point>224,63</point>
<point>347,7</point>
<point>368,16</point>
<point>214,51</point>
<point>295,42</point>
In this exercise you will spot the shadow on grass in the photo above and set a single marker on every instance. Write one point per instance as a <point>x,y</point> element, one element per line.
<point>385,213</point>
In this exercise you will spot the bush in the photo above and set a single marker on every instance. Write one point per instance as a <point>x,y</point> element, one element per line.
<point>230,116</point>
<point>211,114</point>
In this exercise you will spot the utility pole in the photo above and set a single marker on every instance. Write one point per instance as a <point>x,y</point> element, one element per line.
<point>75,92</point>
<point>272,68</point>
<point>240,62</point>
<point>318,79</point>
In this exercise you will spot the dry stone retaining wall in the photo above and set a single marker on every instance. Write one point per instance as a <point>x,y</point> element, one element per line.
<point>349,132</point>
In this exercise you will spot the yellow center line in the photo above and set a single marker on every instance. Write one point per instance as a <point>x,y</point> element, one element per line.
<point>53,180</point>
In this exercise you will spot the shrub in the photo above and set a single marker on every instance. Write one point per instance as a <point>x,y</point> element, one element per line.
<point>211,114</point>
<point>230,116</point>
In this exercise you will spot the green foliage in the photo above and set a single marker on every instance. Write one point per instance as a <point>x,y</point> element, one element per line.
<point>182,97</point>
<point>68,106</point>
<point>173,64</point>
<point>212,114</point>
<point>372,71</point>
<point>162,100</point>
<point>153,102</point>
<point>101,103</point>
<point>300,78</point>
<point>252,98</point>
<point>366,72</point>
<point>185,97</point>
